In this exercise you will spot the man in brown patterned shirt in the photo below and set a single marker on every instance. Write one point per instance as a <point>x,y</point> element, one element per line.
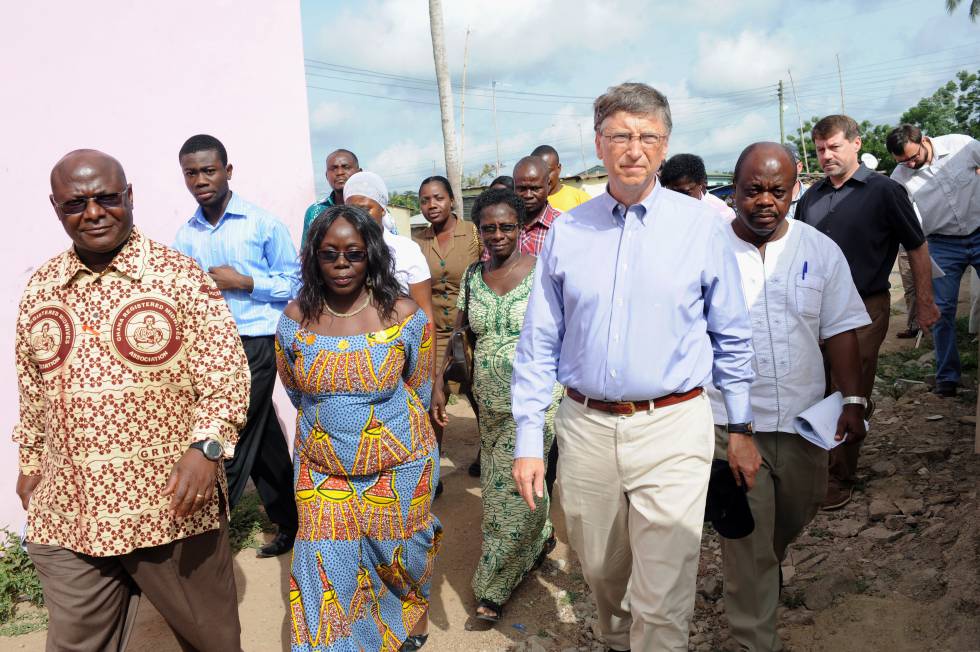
<point>121,435</point>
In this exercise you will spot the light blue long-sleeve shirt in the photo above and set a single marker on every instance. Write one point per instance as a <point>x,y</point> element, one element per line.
<point>633,303</point>
<point>256,244</point>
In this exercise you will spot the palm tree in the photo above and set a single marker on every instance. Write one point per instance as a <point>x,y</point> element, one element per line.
<point>446,98</point>
<point>951,6</point>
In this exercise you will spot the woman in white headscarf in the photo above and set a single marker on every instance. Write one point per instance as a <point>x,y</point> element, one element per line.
<point>367,190</point>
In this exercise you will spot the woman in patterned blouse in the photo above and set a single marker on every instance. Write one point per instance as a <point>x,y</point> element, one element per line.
<point>515,539</point>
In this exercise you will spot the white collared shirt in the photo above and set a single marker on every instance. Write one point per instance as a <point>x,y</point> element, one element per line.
<point>791,312</point>
<point>410,264</point>
<point>947,190</point>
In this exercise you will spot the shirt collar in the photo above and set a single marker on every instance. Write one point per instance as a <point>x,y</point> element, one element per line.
<point>131,260</point>
<point>237,207</point>
<point>860,176</point>
<point>459,232</point>
<point>546,219</point>
<point>646,204</point>
<point>939,150</point>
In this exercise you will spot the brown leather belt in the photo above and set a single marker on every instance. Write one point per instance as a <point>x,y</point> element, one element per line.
<point>629,408</point>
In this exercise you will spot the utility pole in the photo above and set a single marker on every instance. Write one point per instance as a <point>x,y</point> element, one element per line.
<point>462,112</point>
<point>782,132</point>
<point>581,145</point>
<point>493,105</point>
<point>806,159</point>
<point>840,78</point>
<point>445,96</point>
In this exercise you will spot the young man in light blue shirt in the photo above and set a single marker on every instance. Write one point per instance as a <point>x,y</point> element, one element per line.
<point>253,261</point>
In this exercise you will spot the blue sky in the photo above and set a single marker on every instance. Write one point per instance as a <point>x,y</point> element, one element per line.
<point>371,82</point>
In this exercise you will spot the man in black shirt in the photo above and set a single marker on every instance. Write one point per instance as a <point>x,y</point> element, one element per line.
<point>868,215</point>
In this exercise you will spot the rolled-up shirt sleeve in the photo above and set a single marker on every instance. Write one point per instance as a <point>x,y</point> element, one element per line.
<point>538,350</point>
<point>729,327</point>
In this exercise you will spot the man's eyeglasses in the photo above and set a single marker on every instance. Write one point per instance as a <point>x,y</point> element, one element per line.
<point>105,200</point>
<point>911,160</point>
<point>490,229</point>
<point>331,256</point>
<point>646,140</point>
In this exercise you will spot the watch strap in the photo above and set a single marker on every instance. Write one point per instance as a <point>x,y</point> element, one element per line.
<point>855,400</point>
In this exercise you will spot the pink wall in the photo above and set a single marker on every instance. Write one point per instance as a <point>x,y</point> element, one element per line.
<point>135,79</point>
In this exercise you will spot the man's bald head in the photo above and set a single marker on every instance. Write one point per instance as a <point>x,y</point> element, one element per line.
<point>765,154</point>
<point>94,203</point>
<point>86,163</point>
<point>531,184</point>
<point>764,178</point>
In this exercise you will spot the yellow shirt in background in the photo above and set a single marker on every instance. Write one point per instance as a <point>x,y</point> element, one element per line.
<point>568,198</point>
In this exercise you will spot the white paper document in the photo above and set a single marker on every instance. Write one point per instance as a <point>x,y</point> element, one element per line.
<point>818,423</point>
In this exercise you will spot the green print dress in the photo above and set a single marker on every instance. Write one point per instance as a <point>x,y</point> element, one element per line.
<point>513,535</point>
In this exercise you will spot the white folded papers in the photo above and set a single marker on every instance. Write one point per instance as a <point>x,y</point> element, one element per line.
<point>818,423</point>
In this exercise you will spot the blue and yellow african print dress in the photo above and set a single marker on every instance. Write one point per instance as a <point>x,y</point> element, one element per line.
<point>366,465</point>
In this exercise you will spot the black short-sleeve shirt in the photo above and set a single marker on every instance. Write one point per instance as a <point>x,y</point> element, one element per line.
<point>868,217</point>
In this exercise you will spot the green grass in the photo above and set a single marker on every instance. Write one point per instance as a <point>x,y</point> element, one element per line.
<point>248,521</point>
<point>904,363</point>
<point>18,580</point>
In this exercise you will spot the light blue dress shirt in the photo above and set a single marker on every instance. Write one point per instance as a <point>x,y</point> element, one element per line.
<point>255,244</point>
<point>633,303</point>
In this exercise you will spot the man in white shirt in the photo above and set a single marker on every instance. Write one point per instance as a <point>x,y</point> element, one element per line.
<point>799,291</point>
<point>942,176</point>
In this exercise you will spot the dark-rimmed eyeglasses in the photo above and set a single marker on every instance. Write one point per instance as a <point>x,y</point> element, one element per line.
<point>106,200</point>
<point>331,256</point>
<point>490,229</point>
<point>911,159</point>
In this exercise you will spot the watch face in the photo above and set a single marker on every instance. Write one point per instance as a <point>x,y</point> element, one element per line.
<point>212,450</point>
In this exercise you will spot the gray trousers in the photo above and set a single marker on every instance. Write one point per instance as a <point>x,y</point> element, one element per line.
<point>92,601</point>
<point>788,491</point>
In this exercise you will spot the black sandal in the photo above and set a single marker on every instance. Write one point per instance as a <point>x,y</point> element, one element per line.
<point>414,642</point>
<point>497,609</point>
<point>549,546</point>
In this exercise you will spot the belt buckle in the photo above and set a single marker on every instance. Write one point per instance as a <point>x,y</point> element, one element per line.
<point>630,407</point>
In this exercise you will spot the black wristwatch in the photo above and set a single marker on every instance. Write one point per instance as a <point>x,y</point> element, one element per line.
<point>210,448</point>
<point>741,429</point>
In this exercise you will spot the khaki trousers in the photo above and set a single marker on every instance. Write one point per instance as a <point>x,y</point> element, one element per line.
<point>788,491</point>
<point>844,458</point>
<point>92,601</point>
<point>908,288</point>
<point>633,490</point>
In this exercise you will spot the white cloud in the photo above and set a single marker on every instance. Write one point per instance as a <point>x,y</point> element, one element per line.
<point>748,60</point>
<point>327,114</point>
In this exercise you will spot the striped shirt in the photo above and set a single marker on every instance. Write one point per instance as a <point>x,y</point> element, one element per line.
<point>255,244</point>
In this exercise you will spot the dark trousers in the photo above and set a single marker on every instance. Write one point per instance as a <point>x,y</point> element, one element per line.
<point>261,452</point>
<point>843,460</point>
<point>92,601</point>
<point>552,471</point>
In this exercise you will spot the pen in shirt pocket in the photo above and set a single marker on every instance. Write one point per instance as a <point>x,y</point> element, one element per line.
<point>804,269</point>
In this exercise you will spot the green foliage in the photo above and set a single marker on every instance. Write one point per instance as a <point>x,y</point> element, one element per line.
<point>248,521</point>
<point>953,109</point>
<point>486,173</point>
<point>904,364</point>
<point>973,11</point>
<point>407,199</point>
<point>18,579</point>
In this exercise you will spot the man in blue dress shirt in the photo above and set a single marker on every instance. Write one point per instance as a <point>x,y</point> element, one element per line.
<point>253,261</point>
<point>636,306</point>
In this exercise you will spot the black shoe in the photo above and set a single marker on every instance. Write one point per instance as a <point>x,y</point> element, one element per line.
<point>413,643</point>
<point>945,389</point>
<point>282,544</point>
<point>474,469</point>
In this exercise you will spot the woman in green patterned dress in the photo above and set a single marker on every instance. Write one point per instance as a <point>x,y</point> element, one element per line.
<point>515,539</point>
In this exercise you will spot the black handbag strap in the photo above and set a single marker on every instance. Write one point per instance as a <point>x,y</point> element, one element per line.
<point>466,297</point>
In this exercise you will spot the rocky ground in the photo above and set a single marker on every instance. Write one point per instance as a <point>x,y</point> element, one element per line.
<point>895,570</point>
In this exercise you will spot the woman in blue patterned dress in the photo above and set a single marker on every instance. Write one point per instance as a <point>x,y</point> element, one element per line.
<point>355,355</point>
